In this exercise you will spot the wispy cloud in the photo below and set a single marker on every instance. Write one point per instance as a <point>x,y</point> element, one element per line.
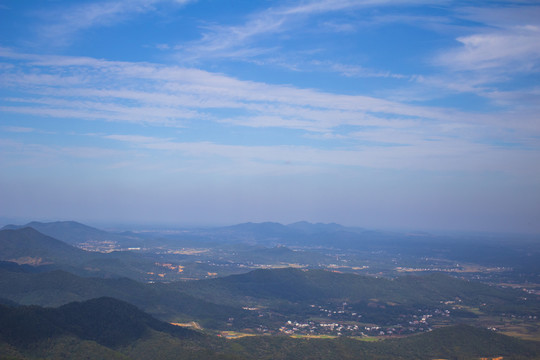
<point>495,46</point>
<point>63,24</point>
<point>158,93</point>
<point>433,154</point>
<point>164,96</point>
<point>17,129</point>
<point>513,49</point>
<point>237,40</point>
<point>360,71</point>
<point>24,130</point>
<point>503,43</point>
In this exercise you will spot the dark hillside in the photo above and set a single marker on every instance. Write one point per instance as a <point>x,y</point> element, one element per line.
<point>456,342</point>
<point>463,342</point>
<point>110,328</point>
<point>107,321</point>
<point>27,244</point>
<point>297,285</point>
<point>162,300</point>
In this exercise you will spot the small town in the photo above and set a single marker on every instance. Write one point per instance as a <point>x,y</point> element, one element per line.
<point>346,322</point>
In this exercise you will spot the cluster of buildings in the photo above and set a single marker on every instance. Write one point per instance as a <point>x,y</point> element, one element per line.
<point>348,323</point>
<point>348,329</point>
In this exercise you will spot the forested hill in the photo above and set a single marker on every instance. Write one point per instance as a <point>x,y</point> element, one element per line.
<point>321,285</point>
<point>107,321</point>
<point>106,328</point>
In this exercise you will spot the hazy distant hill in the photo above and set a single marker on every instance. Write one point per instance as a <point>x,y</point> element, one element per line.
<point>521,253</point>
<point>261,233</point>
<point>27,245</point>
<point>75,233</point>
<point>300,233</point>
<point>308,227</point>
<point>277,229</point>
<point>511,251</point>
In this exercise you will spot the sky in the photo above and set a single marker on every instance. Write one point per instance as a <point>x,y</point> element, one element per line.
<point>389,114</point>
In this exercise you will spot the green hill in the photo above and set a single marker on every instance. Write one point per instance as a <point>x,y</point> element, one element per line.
<point>455,342</point>
<point>107,321</point>
<point>297,285</point>
<point>165,301</point>
<point>107,328</point>
<point>27,245</point>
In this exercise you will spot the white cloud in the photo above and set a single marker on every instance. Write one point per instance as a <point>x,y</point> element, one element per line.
<point>504,41</point>
<point>66,22</point>
<point>513,49</point>
<point>496,51</point>
<point>169,93</point>
<point>335,26</point>
<point>436,154</point>
<point>236,40</point>
<point>159,96</point>
<point>359,71</point>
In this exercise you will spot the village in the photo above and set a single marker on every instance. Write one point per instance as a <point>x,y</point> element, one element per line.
<point>345,322</point>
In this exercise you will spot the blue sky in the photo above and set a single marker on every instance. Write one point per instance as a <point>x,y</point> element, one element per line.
<point>377,113</point>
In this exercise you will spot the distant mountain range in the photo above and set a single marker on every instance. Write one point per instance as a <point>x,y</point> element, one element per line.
<point>74,233</point>
<point>93,312</point>
<point>487,249</point>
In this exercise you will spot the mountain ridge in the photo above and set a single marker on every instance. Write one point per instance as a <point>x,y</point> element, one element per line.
<point>76,233</point>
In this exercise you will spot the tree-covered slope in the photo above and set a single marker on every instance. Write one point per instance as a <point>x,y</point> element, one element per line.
<point>107,321</point>
<point>58,287</point>
<point>320,285</point>
<point>455,342</point>
<point>106,328</point>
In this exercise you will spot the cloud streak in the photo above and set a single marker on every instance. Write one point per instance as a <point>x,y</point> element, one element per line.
<point>183,89</point>
<point>79,17</point>
<point>512,49</point>
<point>236,41</point>
<point>433,154</point>
<point>157,95</point>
